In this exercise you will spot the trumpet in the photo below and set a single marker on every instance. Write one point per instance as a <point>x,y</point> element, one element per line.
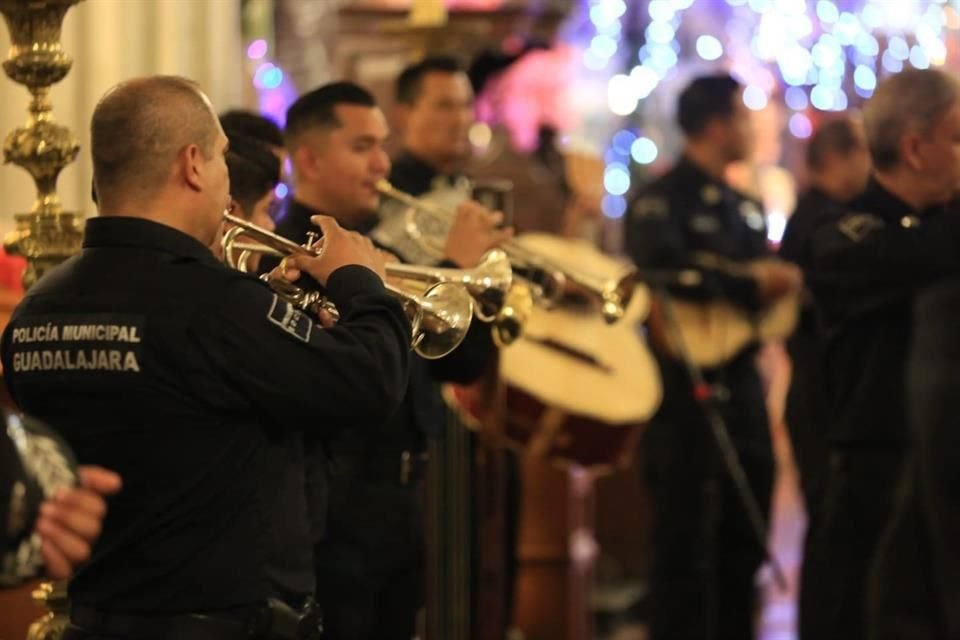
<point>488,283</point>
<point>440,316</point>
<point>547,279</point>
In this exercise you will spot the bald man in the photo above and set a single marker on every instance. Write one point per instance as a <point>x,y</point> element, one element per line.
<point>195,383</point>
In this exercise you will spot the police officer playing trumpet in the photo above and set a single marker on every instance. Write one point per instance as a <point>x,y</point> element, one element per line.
<point>369,562</point>
<point>195,383</point>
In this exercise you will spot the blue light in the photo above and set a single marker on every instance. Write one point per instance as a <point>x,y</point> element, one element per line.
<point>660,10</point>
<point>867,44</point>
<point>272,78</point>
<point>603,46</point>
<point>800,26</point>
<point>268,76</point>
<point>736,3</point>
<point>891,63</point>
<point>594,62</point>
<point>644,79</point>
<point>919,58</point>
<point>839,100</point>
<point>617,7</point>
<point>644,150</point>
<point>760,6</point>
<point>865,78</point>
<point>826,51</point>
<point>754,97</point>
<point>794,63</point>
<point>800,125</point>
<point>600,17</point>
<point>616,179</point>
<point>847,28</point>
<point>662,57</point>
<point>872,16</point>
<point>281,191</point>
<point>821,97</point>
<point>898,48</point>
<point>796,98</point>
<point>709,48</point>
<point>833,75</point>
<point>622,141</point>
<point>613,206</point>
<point>827,11</point>
<point>660,32</point>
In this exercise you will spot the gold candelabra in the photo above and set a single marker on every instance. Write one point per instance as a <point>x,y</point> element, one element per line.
<point>47,235</point>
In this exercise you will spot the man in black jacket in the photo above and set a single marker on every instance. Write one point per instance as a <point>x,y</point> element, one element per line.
<point>838,166</point>
<point>705,553</point>
<point>193,381</point>
<point>866,267</point>
<point>369,561</point>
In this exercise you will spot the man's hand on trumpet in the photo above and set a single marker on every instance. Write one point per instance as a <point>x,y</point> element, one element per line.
<point>474,232</point>
<point>340,248</point>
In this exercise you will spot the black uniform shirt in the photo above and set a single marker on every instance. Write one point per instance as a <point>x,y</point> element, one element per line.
<point>192,381</point>
<point>686,212</point>
<point>421,414</point>
<point>867,265</point>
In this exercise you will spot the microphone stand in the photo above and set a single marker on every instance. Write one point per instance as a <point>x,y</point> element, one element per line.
<point>705,399</point>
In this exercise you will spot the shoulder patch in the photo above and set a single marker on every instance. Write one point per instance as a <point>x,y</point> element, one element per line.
<point>291,320</point>
<point>857,226</point>
<point>652,206</point>
<point>711,195</point>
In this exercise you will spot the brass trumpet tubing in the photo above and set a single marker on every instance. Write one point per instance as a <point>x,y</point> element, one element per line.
<point>488,282</point>
<point>440,317</point>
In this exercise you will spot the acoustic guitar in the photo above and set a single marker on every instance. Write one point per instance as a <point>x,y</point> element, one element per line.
<point>578,389</point>
<point>712,333</point>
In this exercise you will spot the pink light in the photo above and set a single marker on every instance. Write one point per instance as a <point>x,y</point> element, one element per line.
<point>257,49</point>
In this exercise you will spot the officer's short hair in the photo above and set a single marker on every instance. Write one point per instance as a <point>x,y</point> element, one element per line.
<point>251,125</point>
<point>254,169</point>
<point>838,136</point>
<point>704,99</point>
<point>912,101</point>
<point>316,109</point>
<point>138,128</point>
<point>410,80</point>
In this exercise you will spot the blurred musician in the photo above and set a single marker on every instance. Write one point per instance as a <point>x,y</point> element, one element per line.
<point>838,166</point>
<point>867,266</point>
<point>706,555</point>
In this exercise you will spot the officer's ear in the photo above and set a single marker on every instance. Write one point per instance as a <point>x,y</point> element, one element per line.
<point>911,151</point>
<point>191,161</point>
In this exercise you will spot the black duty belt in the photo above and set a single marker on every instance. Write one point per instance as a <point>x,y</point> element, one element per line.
<point>271,621</point>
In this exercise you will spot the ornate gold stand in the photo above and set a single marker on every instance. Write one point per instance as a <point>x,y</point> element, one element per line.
<point>47,235</point>
<point>53,596</point>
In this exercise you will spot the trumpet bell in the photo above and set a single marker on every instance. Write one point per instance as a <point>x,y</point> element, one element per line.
<point>442,319</point>
<point>490,283</point>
